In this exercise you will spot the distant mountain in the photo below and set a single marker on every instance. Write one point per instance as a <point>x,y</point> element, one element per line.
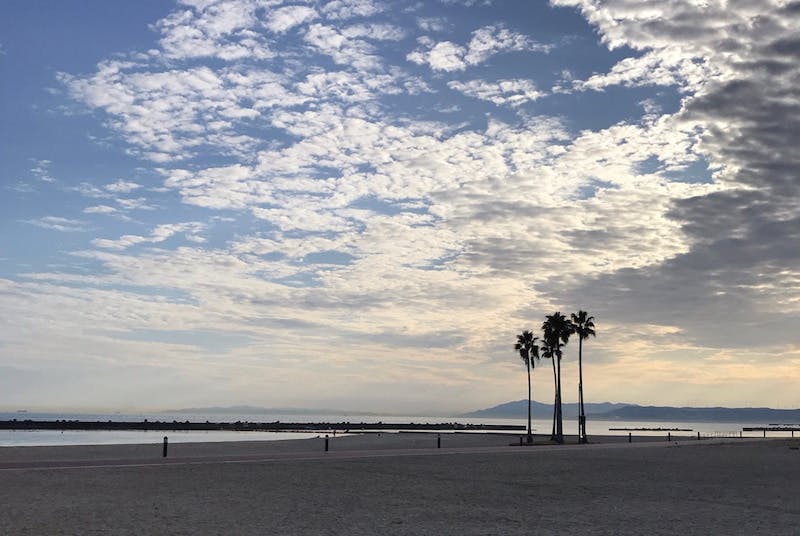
<point>715,414</point>
<point>254,410</point>
<point>518,409</point>
<point>539,410</point>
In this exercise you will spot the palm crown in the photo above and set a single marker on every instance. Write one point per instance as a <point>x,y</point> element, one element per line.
<point>526,345</point>
<point>583,324</point>
<point>557,330</point>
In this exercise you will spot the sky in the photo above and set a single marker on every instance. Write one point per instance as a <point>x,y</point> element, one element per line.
<point>358,204</point>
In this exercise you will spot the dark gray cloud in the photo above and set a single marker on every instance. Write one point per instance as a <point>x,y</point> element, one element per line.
<point>737,285</point>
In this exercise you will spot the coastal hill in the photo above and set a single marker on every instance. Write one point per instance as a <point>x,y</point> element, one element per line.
<point>518,409</point>
<point>539,410</point>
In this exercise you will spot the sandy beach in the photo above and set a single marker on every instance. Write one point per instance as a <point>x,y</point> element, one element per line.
<point>402,484</point>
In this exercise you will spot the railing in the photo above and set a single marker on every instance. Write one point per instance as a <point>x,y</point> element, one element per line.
<point>766,429</point>
<point>719,435</point>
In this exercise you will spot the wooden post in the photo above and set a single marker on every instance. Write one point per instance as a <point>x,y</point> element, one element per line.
<point>165,447</point>
<point>326,442</point>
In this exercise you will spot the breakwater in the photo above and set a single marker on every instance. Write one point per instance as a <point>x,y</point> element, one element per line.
<point>243,426</point>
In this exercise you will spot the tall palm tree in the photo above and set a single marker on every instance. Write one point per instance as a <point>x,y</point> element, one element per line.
<point>583,325</point>
<point>528,352</point>
<point>557,330</point>
<point>548,353</point>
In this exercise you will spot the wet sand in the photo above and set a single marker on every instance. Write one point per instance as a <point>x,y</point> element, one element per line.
<point>403,484</point>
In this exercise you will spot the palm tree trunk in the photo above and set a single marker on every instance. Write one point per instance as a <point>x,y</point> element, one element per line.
<point>559,419</point>
<point>582,414</point>
<point>530,434</point>
<point>555,400</point>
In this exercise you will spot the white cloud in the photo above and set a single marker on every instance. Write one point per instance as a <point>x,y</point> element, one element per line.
<point>348,9</point>
<point>122,187</point>
<point>432,24</point>
<point>21,187</point>
<point>286,18</point>
<point>112,191</point>
<point>442,56</point>
<point>221,29</point>
<point>57,223</point>
<point>139,203</point>
<point>99,209</point>
<point>347,86</point>
<point>652,68</point>
<point>234,186</point>
<point>344,50</point>
<point>89,190</point>
<point>169,114</point>
<point>514,92</point>
<point>468,3</point>
<point>485,43</point>
<point>375,31</point>
<point>491,40</point>
<point>158,234</point>
<point>41,170</point>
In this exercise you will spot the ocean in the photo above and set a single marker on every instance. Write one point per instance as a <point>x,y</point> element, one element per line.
<point>540,427</point>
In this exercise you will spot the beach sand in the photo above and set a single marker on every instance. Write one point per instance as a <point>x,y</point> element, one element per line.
<point>402,484</point>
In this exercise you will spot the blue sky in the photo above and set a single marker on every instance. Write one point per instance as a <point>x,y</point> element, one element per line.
<point>360,203</point>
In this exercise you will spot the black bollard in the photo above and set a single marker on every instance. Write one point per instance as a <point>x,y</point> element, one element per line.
<point>630,437</point>
<point>438,441</point>
<point>520,441</point>
<point>698,436</point>
<point>165,447</point>
<point>326,443</point>
<point>669,436</point>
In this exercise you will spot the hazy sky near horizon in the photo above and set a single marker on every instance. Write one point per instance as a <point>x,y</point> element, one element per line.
<point>360,203</point>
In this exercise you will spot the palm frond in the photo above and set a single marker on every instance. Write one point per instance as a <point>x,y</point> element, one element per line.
<point>557,328</point>
<point>583,324</point>
<point>527,348</point>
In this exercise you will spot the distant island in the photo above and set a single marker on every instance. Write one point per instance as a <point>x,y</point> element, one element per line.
<point>632,412</point>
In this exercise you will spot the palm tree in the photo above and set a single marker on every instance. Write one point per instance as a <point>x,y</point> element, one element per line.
<point>528,351</point>
<point>547,353</point>
<point>583,325</point>
<point>557,330</point>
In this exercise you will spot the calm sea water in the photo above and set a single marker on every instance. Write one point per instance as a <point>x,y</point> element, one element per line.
<point>542,427</point>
